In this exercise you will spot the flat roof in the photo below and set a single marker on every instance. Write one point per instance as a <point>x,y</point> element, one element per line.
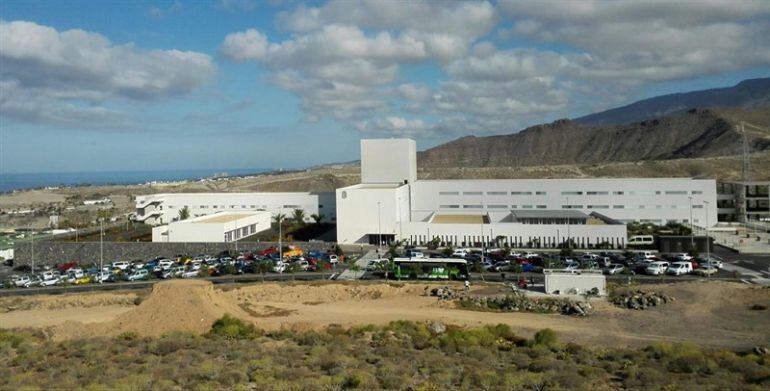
<point>460,219</point>
<point>430,260</point>
<point>374,186</point>
<point>548,214</point>
<point>222,217</point>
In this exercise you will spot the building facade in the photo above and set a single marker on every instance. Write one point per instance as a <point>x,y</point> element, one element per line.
<point>744,201</point>
<point>220,227</point>
<point>164,208</point>
<point>396,206</point>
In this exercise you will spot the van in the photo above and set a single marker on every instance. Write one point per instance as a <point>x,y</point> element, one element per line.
<point>646,254</point>
<point>120,265</point>
<point>656,268</point>
<point>641,240</point>
<point>460,253</point>
<point>679,268</point>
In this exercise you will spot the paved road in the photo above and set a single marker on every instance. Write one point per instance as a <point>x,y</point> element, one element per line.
<point>752,267</point>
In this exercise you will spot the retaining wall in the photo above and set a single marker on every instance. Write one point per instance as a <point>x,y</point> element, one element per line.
<point>50,253</point>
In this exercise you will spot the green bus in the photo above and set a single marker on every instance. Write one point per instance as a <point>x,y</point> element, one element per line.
<point>431,268</point>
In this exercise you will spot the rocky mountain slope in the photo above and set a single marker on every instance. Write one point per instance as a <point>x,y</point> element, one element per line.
<point>693,133</point>
<point>748,94</point>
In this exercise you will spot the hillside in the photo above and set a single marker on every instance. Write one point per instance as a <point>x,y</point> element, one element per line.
<point>748,94</point>
<point>695,133</point>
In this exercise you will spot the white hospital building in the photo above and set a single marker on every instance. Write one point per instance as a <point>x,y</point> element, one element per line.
<point>391,204</point>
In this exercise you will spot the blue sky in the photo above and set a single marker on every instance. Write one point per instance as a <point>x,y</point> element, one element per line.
<point>122,85</point>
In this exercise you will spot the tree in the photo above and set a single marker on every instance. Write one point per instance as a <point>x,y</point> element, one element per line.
<point>184,213</point>
<point>299,217</point>
<point>264,267</point>
<point>317,217</point>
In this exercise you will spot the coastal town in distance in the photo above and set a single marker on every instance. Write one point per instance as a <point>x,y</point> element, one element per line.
<point>422,195</point>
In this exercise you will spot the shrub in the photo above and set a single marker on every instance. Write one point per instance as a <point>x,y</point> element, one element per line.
<point>233,328</point>
<point>545,337</point>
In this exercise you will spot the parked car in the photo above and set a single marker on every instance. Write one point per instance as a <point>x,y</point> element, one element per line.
<point>614,268</point>
<point>460,253</point>
<point>280,267</point>
<point>572,266</point>
<point>102,277</point>
<point>165,264</point>
<point>189,274</point>
<point>679,268</point>
<point>706,271</point>
<point>120,265</point>
<point>52,280</point>
<point>333,259</point>
<point>82,280</point>
<point>656,268</point>
<point>713,262</point>
<point>142,274</point>
<point>33,281</point>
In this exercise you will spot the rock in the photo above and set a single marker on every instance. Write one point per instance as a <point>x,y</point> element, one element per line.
<point>437,328</point>
<point>761,350</point>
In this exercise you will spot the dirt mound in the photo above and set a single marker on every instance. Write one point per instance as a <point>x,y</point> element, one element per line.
<point>179,305</point>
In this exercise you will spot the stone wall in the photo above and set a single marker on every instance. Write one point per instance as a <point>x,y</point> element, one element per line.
<point>50,253</point>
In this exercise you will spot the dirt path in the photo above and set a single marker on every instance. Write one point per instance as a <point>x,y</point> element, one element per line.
<point>713,314</point>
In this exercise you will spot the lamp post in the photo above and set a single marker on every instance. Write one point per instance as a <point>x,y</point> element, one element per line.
<point>692,228</point>
<point>101,245</point>
<point>32,249</point>
<point>569,237</point>
<point>280,234</point>
<point>708,237</point>
<point>379,227</point>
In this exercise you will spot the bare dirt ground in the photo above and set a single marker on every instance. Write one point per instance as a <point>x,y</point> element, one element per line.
<point>707,313</point>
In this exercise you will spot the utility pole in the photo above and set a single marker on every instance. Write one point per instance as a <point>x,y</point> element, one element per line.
<point>236,235</point>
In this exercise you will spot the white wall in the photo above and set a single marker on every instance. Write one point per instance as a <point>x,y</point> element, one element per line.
<point>168,205</point>
<point>641,199</point>
<point>357,211</point>
<point>388,161</point>
<point>193,231</point>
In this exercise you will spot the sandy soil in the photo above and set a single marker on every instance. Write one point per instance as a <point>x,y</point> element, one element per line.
<point>708,313</point>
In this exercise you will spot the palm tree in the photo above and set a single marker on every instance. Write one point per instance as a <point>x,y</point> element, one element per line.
<point>317,217</point>
<point>278,218</point>
<point>299,217</point>
<point>184,213</point>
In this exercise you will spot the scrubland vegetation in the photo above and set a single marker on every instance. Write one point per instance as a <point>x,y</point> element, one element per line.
<point>395,356</point>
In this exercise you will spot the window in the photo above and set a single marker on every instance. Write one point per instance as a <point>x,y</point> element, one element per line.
<point>657,192</point>
<point>253,207</point>
<point>676,192</point>
<point>449,206</point>
<point>572,206</point>
<point>642,207</point>
<point>542,206</point>
<point>291,206</point>
<point>204,206</point>
<point>697,206</point>
<point>598,193</point>
<point>214,207</point>
<point>572,193</point>
<point>471,206</point>
<point>497,193</point>
<point>473,192</point>
<point>618,206</point>
<point>497,206</point>
<point>320,206</point>
<point>598,206</point>
<point>521,193</point>
<point>694,192</point>
<point>514,206</point>
<point>540,193</point>
<point>526,206</point>
<point>620,192</point>
<point>658,206</point>
<point>449,193</point>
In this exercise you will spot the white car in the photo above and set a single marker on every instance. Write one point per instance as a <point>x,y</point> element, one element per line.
<point>683,256</point>
<point>302,264</point>
<point>656,268</point>
<point>120,265</point>
<point>614,268</point>
<point>572,266</point>
<point>714,262</point>
<point>333,259</point>
<point>280,267</point>
<point>165,264</point>
<point>49,281</point>
<point>34,281</point>
<point>706,271</point>
<point>102,277</point>
<point>679,268</point>
<point>139,275</point>
<point>460,253</point>
<point>189,274</point>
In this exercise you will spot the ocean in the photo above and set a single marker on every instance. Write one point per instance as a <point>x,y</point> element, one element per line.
<point>9,182</point>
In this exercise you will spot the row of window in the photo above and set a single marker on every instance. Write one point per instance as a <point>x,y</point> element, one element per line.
<point>493,206</point>
<point>260,207</point>
<point>573,193</point>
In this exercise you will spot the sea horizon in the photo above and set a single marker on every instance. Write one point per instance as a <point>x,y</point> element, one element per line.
<point>35,180</point>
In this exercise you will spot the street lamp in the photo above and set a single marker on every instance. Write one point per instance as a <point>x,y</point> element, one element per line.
<point>379,227</point>
<point>692,228</point>
<point>708,237</point>
<point>101,245</point>
<point>280,234</point>
<point>32,250</point>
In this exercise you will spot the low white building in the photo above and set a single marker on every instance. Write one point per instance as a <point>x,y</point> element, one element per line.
<point>391,204</point>
<point>218,227</point>
<point>164,208</point>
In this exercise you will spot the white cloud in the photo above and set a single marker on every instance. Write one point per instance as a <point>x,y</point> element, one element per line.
<point>71,73</point>
<point>246,45</point>
<point>651,40</point>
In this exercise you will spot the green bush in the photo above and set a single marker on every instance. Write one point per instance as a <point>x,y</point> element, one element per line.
<point>231,327</point>
<point>545,337</point>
